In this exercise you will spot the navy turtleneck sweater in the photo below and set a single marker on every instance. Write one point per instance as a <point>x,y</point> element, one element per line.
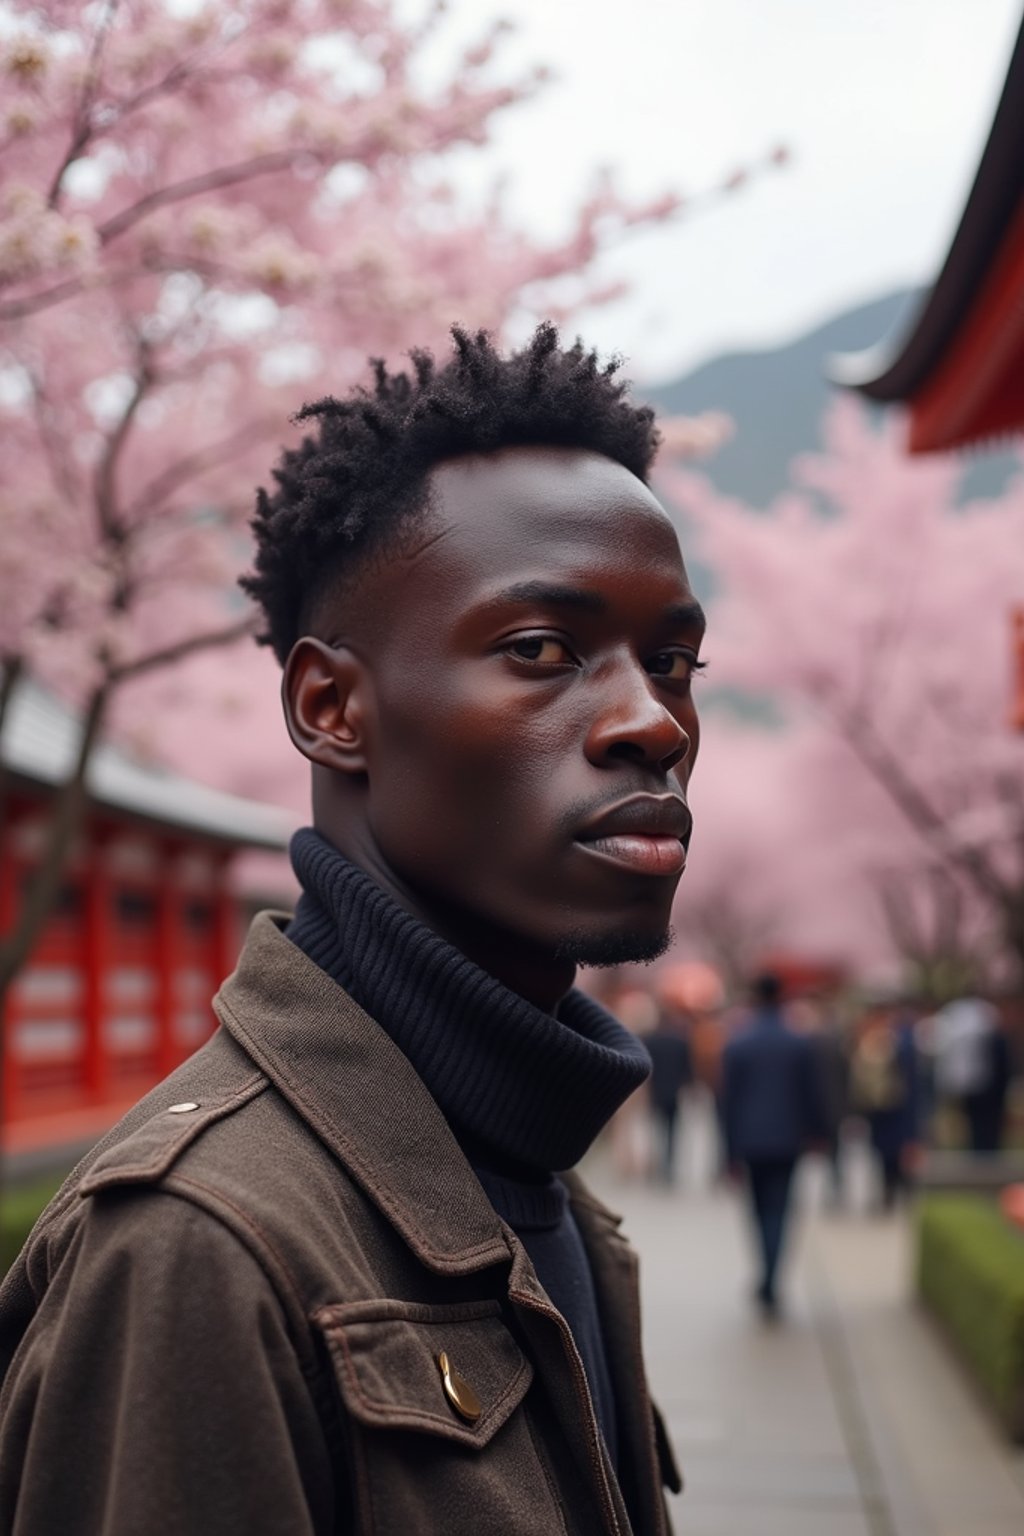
<point>524,1092</point>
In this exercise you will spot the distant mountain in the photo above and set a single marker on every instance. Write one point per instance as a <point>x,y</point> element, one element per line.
<point>777,399</point>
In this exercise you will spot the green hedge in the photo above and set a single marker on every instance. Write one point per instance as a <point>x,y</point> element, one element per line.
<point>970,1274</point>
<point>19,1209</point>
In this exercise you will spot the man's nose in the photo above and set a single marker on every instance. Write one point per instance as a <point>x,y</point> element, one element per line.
<point>632,724</point>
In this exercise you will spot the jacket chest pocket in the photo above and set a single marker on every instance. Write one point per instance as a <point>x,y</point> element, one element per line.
<point>441,1442</point>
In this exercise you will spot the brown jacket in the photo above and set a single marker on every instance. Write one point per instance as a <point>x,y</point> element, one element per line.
<point>229,1319</point>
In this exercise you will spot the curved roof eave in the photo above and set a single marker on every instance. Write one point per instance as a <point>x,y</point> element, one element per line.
<point>897,367</point>
<point>38,747</point>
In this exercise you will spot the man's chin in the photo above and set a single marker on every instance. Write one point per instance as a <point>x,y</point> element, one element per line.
<point>623,946</point>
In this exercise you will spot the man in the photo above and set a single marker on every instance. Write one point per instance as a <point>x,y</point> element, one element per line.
<point>770,1111</point>
<point>832,1076</point>
<point>885,1085</point>
<point>973,1067</point>
<point>671,1072</point>
<point>325,1278</point>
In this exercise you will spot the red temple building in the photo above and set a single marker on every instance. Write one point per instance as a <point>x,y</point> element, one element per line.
<point>959,369</point>
<point>147,923</point>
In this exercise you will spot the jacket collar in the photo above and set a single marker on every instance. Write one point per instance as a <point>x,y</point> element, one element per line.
<point>351,1084</point>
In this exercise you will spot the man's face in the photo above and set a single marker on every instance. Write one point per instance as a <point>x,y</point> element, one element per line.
<point>533,725</point>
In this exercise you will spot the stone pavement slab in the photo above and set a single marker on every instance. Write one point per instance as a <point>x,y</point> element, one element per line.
<point>936,1453</point>
<point>750,1409</point>
<point>850,1418</point>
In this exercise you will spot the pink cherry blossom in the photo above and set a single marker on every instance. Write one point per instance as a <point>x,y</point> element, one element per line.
<point>209,213</point>
<point>872,613</point>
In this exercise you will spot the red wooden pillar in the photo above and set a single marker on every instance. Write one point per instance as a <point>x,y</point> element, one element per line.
<point>1017,674</point>
<point>10,1065</point>
<point>98,918</point>
<point>168,959</point>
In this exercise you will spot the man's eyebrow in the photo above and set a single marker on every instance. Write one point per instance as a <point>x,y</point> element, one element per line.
<point>680,615</point>
<point>552,596</point>
<point>687,615</point>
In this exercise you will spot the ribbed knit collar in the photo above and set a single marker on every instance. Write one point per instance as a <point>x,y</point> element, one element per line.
<point>526,1088</point>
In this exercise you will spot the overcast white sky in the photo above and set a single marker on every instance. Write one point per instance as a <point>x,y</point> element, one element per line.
<point>885,105</point>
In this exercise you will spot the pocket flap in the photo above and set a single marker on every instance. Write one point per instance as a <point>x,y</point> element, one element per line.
<point>385,1357</point>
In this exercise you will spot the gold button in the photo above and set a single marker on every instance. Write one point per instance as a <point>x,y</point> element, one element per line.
<point>458,1391</point>
<point>182,1109</point>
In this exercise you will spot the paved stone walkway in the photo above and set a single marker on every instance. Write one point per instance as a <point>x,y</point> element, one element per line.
<point>847,1419</point>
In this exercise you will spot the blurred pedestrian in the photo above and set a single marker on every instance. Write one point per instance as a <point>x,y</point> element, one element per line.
<point>771,1111</point>
<point>883,1080</point>
<point>832,1069</point>
<point>668,1046</point>
<point>973,1067</point>
<point>628,1137</point>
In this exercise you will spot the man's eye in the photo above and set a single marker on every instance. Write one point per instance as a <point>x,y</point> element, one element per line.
<point>541,648</point>
<point>677,666</point>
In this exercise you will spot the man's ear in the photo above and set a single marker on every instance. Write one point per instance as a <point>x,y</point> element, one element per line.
<point>325,692</point>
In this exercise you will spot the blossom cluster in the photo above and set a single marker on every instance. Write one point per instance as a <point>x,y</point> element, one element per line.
<point>210,212</point>
<point>37,240</point>
<point>863,625</point>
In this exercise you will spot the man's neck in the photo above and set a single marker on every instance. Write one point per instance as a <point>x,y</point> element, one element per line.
<point>539,976</point>
<point>528,1089</point>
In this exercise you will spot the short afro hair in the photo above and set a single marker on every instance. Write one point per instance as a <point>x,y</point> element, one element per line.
<point>345,493</point>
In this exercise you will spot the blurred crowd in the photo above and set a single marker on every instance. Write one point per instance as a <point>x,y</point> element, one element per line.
<point>893,1072</point>
<point>790,1071</point>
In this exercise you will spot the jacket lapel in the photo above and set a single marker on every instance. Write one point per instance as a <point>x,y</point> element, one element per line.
<point>356,1090</point>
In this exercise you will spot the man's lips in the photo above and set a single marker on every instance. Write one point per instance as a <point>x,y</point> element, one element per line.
<point>646,834</point>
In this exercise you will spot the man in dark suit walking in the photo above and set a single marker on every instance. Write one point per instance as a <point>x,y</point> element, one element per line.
<point>770,1111</point>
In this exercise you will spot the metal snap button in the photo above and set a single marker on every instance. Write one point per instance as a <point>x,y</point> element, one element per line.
<point>458,1391</point>
<point>182,1109</point>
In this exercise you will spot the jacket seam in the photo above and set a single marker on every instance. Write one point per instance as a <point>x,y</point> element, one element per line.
<point>98,1178</point>
<point>593,1434</point>
<point>644,1396</point>
<point>361,1470</point>
<point>262,1249</point>
<point>386,1309</point>
<point>552,1487</point>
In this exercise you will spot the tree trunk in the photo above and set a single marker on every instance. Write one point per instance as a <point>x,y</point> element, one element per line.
<point>1013,930</point>
<point>10,676</point>
<point>66,815</point>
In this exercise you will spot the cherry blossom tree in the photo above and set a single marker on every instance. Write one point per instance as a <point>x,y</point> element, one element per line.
<point>209,210</point>
<point>873,611</point>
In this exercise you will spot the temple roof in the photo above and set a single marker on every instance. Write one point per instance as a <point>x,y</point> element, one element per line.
<point>39,744</point>
<point>959,368</point>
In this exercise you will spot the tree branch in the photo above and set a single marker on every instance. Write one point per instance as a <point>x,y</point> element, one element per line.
<point>52,442</point>
<point>65,819</point>
<point>918,810</point>
<point>164,657</point>
<point>111,526</point>
<point>210,181</point>
<point>12,670</point>
<point>193,186</point>
<point>70,800</point>
<point>20,309</point>
<point>190,465</point>
<point>83,126</point>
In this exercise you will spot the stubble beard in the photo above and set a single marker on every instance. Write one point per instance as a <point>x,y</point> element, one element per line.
<point>625,946</point>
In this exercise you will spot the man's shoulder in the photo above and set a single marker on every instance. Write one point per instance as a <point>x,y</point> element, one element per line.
<point>744,1036</point>
<point>218,1137</point>
<point>144,1147</point>
<point>759,1036</point>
